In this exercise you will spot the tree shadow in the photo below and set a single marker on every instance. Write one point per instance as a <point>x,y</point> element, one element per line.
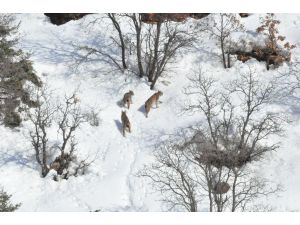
<point>16,157</point>
<point>293,103</point>
<point>67,51</point>
<point>119,126</point>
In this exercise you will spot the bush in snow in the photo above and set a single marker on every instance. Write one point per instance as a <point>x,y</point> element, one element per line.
<point>276,49</point>
<point>5,204</point>
<point>93,117</point>
<point>15,71</point>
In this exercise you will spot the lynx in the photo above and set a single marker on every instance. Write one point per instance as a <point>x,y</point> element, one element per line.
<point>127,99</point>
<point>243,58</point>
<point>153,99</point>
<point>276,60</point>
<point>125,123</point>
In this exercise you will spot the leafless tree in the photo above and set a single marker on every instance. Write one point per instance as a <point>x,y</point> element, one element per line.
<point>211,162</point>
<point>41,118</point>
<point>235,135</point>
<point>223,25</point>
<point>68,117</point>
<point>138,25</point>
<point>155,47</point>
<point>289,81</point>
<point>163,43</point>
<point>109,46</point>
<point>171,175</point>
<point>120,42</point>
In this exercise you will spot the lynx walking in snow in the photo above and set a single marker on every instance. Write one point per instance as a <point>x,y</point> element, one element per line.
<point>127,99</point>
<point>153,99</point>
<point>125,122</point>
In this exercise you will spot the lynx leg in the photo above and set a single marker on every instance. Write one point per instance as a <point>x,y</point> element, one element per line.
<point>123,131</point>
<point>146,111</point>
<point>128,104</point>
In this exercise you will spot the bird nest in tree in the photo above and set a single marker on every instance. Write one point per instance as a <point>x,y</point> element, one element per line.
<point>221,188</point>
<point>220,158</point>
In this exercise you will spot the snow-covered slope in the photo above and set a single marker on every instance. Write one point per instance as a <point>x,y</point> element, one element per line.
<point>111,183</point>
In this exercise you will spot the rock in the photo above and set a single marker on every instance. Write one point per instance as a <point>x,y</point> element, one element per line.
<point>62,18</point>
<point>245,14</point>
<point>176,17</point>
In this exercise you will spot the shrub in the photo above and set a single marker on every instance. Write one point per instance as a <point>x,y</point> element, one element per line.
<point>16,69</point>
<point>276,49</point>
<point>5,204</point>
<point>12,119</point>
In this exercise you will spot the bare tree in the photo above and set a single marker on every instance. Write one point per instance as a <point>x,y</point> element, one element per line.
<point>163,43</point>
<point>156,45</point>
<point>138,24</point>
<point>224,24</point>
<point>41,118</point>
<point>153,43</point>
<point>109,46</point>
<point>235,136</point>
<point>171,175</point>
<point>121,42</point>
<point>211,162</point>
<point>68,117</point>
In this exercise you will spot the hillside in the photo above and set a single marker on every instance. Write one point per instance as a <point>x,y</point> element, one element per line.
<point>111,183</point>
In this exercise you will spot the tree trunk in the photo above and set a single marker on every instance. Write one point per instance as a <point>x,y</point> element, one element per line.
<point>139,54</point>
<point>233,192</point>
<point>122,43</point>
<point>123,55</point>
<point>155,57</point>
<point>228,60</point>
<point>45,170</point>
<point>138,28</point>
<point>153,82</point>
<point>223,53</point>
<point>209,185</point>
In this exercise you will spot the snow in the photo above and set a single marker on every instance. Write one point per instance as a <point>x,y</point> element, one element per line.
<point>111,183</point>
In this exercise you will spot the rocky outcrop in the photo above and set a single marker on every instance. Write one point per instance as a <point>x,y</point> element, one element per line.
<point>177,17</point>
<point>264,54</point>
<point>245,14</point>
<point>62,18</point>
